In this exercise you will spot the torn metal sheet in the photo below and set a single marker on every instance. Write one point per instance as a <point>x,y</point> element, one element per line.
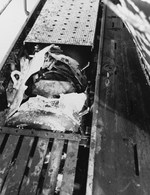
<point>66,22</point>
<point>43,113</point>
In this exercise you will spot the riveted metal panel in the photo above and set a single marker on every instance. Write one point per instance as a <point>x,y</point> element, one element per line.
<point>66,22</point>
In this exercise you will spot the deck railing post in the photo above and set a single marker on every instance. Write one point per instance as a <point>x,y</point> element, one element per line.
<point>25,8</point>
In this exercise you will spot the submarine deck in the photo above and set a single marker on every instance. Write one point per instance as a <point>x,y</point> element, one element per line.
<point>123,134</point>
<point>120,137</point>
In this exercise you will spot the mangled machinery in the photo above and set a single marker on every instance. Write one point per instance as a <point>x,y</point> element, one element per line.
<point>57,92</point>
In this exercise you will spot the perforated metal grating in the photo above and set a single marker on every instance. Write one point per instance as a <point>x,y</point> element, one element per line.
<point>66,22</point>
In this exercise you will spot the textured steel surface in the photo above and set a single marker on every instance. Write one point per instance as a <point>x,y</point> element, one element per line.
<point>66,22</point>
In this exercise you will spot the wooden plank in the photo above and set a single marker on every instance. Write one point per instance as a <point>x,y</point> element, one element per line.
<point>69,168</point>
<point>6,157</point>
<point>53,167</point>
<point>15,175</point>
<point>30,183</point>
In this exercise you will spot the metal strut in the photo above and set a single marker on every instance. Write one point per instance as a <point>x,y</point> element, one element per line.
<point>5,6</point>
<point>25,8</point>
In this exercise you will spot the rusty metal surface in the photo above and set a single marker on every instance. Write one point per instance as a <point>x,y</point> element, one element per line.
<point>66,22</point>
<point>40,133</point>
<point>31,165</point>
<point>30,183</point>
<point>83,139</point>
<point>69,169</point>
<point>5,160</point>
<point>53,167</point>
<point>16,172</point>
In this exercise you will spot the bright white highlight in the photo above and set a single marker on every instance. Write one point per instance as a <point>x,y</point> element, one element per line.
<point>138,25</point>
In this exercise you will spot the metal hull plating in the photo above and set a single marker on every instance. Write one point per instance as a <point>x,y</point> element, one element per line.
<point>136,16</point>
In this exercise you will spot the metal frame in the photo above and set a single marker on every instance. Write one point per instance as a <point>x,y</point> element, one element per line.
<point>25,8</point>
<point>83,139</point>
<point>5,6</point>
<point>95,127</point>
<point>19,34</point>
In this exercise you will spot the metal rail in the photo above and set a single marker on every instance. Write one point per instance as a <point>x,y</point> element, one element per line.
<point>83,139</point>
<point>9,1</point>
<point>95,120</point>
<point>21,31</point>
<point>5,6</point>
<point>25,8</point>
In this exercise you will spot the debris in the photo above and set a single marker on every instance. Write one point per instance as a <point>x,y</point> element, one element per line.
<point>57,93</point>
<point>28,68</point>
<point>59,114</point>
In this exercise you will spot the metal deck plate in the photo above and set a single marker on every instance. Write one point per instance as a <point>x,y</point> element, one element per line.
<point>66,22</point>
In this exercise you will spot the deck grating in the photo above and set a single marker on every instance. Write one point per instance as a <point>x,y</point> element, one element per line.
<point>66,22</point>
<point>31,165</point>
